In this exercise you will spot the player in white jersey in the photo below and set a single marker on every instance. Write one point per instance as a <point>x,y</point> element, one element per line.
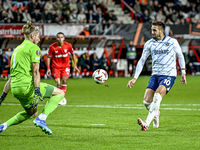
<point>163,50</point>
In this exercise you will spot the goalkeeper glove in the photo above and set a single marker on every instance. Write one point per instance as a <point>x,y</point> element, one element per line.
<point>37,97</point>
<point>3,96</point>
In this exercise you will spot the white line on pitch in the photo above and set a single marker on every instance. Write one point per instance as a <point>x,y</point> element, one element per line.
<point>125,107</point>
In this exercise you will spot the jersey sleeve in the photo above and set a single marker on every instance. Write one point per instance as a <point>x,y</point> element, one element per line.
<point>35,54</point>
<point>179,53</point>
<point>145,54</point>
<point>50,51</point>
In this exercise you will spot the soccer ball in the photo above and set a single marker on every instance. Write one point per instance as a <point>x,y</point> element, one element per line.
<point>100,76</point>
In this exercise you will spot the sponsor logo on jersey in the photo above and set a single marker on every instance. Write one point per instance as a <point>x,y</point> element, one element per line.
<point>38,52</point>
<point>56,51</point>
<point>160,52</point>
<point>65,50</point>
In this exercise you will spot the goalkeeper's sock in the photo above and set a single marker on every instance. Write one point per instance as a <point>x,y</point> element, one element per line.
<point>18,118</point>
<point>42,116</point>
<point>64,87</point>
<point>52,104</point>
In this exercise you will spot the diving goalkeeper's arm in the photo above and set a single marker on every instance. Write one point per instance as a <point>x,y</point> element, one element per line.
<point>5,91</point>
<point>36,79</point>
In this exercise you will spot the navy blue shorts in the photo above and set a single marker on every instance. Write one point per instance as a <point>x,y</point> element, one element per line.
<point>155,81</point>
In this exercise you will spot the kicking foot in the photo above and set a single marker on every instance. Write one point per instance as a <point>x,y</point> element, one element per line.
<point>1,128</point>
<point>143,124</point>
<point>41,123</point>
<point>156,120</point>
<point>63,101</point>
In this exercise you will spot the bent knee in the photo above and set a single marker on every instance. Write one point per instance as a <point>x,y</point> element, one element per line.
<point>35,114</point>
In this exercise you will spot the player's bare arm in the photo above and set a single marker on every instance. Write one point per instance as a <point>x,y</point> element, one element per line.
<point>75,66</point>
<point>48,73</point>
<point>131,82</point>
<point>183,76</point>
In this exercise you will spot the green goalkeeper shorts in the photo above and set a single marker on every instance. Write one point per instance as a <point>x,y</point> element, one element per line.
<point>25,94</point>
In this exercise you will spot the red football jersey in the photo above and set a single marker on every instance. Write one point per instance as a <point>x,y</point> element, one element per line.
<point>60,55</point>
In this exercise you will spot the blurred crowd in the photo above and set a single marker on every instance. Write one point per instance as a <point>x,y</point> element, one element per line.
<point>168,11</point>
<point>95,11</point>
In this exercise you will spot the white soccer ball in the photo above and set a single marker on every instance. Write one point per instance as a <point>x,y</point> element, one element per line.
<point>100,76</point>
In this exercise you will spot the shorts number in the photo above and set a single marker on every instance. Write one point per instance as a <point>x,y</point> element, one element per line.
<point>14,59</point>
<point>167,82</point>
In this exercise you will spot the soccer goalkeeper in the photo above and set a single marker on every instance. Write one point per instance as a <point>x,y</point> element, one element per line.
<point>25,82</point>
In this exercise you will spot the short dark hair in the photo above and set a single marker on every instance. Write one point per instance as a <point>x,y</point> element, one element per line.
<point>159,23</point>
<point>60,33</point>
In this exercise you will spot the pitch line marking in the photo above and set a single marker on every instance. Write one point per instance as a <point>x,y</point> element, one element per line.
<point>125,106</point>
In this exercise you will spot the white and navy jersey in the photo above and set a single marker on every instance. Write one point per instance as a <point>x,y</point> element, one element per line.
<point>163,54</point>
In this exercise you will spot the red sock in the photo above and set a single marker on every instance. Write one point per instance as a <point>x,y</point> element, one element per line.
<point>64,87</point>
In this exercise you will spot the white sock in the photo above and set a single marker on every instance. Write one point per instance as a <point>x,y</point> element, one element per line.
<point>5,126</point>
<point>147,105</point>
<point>154,108</point>
<point>42,116</point>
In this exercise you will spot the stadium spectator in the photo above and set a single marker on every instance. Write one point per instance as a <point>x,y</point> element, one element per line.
<point>104,61</point>
<point>86,31</point>
<point>7,5</point>
<point>99,17</point>
<point>90,5</point>
<point>81,17</point>
<point>169,22</point>
<point>187,8</point>
<point>157,6</point>
<point>66,17</point>
<point>46,17</point>
<point>179,6</point>
<point>194,8</point>
<point>65,5</point>
<point>39,5</point>
<point>160,16</point>
<point>84,62</point>
<point>73,6</point>
<point>36,16</point>
<point>18,16</point>
<point>25,84</point>
<point>163,76</point>
<point>193,63</point>
<point>59,55</point>
<point>103,8</point>
<point>3,16</point>
<point>91,17</point>
<point>31,6</point>
<point>26,16</point>
<point>131,56</point>
<point>150,7</point>
<point>1,5</point>
<point>58,5</point>
<point>110,16</point>
<point>49,6</point>
<point>175,16</point>
<point>3,63</point>
<point>168,10</point>
<point>95,62</point>
<point>82,6</point>
<point>73,16</point>
<point>138,10</point>
<point>146,17</point>
<point>143,6</point>
<point>10,14</point>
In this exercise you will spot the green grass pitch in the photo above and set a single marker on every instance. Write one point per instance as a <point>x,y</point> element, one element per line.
<point>100,117</point>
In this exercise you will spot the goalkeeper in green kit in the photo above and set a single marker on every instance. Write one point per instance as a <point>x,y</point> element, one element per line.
<point>25,83</point>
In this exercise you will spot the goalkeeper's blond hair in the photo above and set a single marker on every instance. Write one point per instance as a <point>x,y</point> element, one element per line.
<point>29,29</point>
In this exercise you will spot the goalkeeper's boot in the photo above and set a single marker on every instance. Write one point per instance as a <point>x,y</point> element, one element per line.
<point>42,125</point>
<point>1,128</point>
<point>143,124</point>
<point>156,120</point>
<point>63,101</point>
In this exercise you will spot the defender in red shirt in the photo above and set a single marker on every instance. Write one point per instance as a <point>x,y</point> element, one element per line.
<point>59,54</point>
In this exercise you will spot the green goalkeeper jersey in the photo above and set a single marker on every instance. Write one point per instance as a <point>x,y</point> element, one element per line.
<point>21,71</point>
